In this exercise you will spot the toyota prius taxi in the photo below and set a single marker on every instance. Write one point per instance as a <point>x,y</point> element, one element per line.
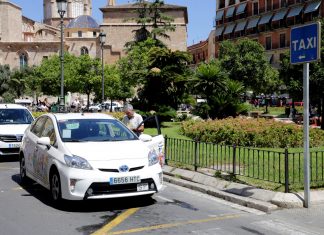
<point>90,156</point>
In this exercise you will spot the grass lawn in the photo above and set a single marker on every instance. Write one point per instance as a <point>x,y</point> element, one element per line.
<point>170,129</point>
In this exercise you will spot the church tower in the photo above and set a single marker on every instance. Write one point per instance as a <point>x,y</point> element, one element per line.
<point>75,8</point>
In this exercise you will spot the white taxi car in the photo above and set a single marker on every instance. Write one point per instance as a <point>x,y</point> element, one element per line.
<point>14,119</point>
<point>90,156</point>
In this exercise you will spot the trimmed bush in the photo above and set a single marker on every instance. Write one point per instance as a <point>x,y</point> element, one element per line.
<point>260,132</point>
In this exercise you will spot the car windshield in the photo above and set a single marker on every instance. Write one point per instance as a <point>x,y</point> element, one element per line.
<point>15,116</point>
<point>79,130</point>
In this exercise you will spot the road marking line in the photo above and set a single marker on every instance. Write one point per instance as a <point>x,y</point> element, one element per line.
<point>165,199</point>
<point>119,219</point>
<point>284,227</point>
<point>163,226</point>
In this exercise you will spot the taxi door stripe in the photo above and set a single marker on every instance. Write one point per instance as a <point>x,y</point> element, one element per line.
<point>119,219</point>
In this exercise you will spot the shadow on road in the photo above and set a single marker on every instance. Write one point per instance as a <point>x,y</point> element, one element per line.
<point>35,190</point>
<point>12,158</point>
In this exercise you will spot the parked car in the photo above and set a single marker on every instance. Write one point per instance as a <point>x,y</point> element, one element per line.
<point>90,156</point>
<point>14,119</point>
<point>95,107</point>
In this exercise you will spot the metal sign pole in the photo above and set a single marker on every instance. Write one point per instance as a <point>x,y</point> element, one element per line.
<point>306,135</point>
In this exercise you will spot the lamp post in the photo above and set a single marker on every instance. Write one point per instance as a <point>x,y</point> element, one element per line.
<point>102,38</point>
<point>61,9</point>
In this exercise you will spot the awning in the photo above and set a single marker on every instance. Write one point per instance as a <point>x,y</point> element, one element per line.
<point>252,23</point>
<point>219,31</point>
<point>241,8</point>
<point>295,11</point>
<point>219,15</point>
<point>265,18</point>
<point>229,28</point>
<point>230,11</point>
<point>240,26</point>
<point>280,14</point>
<point>312,6</point>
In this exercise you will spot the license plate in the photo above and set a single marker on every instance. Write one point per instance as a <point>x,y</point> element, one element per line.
<point>125,180</point>
<point>142,187</point>
<point>14,145</point>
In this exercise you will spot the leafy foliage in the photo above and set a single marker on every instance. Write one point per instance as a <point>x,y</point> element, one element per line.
<point>221,93</point>
<point>153,23</point>
<point>4,78</point>
<point>250,132</point>
<point>245,61</point>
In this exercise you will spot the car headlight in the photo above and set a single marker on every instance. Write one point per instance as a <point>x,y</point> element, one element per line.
<point>77,162</point>
<point>152,158</point>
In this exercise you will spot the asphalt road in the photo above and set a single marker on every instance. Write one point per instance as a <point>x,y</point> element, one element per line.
<point>176,210</point>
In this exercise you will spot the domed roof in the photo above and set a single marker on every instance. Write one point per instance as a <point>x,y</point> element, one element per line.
<point>83,21</point>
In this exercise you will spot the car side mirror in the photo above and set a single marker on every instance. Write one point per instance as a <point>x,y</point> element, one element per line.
<point>145,137</point>
<point>44,141</point>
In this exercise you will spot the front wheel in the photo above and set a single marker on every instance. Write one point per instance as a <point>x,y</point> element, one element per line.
<point>55,186</point>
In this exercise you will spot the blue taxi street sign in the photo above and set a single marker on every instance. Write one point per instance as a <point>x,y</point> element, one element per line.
<point>305,43</point>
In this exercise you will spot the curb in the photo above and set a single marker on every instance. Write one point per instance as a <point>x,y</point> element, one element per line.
<point>243,201</point>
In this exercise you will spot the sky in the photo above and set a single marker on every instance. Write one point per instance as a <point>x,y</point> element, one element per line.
<point>200,13</point>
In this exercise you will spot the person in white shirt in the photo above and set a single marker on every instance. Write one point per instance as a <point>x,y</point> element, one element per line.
<point>133,120</point>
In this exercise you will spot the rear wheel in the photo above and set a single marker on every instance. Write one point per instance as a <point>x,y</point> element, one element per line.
<point>55,185</point>
<point>23,175</point>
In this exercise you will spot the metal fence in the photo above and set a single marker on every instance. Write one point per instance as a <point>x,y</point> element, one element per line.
<point>284,167</point>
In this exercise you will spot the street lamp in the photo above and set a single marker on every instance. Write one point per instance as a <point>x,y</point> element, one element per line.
<point>102,38</point>
<point>61,9</point>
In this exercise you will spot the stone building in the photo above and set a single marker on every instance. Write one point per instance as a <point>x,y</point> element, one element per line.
<point>24,41</point>
<point>118,26</point>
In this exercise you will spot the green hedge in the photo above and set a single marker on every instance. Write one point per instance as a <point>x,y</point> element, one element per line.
<point>260,132</point>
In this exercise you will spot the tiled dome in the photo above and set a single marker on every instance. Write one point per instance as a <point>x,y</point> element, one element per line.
<point>83,21</point>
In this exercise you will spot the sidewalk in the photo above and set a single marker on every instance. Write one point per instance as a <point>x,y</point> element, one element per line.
<point>245,195</point>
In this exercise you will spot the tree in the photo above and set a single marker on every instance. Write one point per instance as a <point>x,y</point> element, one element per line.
<point>115,88</point>
<point>50,75</point>
<point>18,82</point>
<point>4,78</point>
<point>151,16</point>
<point>245,61</point>
<point>165,83</point>
<point>87,76</point>
<point>222,94</point>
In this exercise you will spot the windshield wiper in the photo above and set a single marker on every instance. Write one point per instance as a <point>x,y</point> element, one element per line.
<point>74,140</point>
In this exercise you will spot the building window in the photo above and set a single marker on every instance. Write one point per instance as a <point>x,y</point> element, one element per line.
<point>256,8</point>
<point>282,40</point>
<point>84,51</point>
<point>45,57</point>
<point>68,34</point>
<point>231,2</point>
<point>80,34</point>
<point>23,59</point>
<point>221,4</point>
<point>268,43</point>
<point>283,3</point>
<point>94,34</point>
<point>269,5</point>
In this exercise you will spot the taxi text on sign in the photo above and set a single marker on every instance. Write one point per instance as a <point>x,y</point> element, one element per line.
<point>305,43</point>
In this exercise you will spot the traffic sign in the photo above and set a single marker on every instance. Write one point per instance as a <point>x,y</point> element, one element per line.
<point>305,43</point>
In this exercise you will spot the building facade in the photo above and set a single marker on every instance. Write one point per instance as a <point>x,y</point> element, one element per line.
<point>24,41</point>
<point>267,21</point>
